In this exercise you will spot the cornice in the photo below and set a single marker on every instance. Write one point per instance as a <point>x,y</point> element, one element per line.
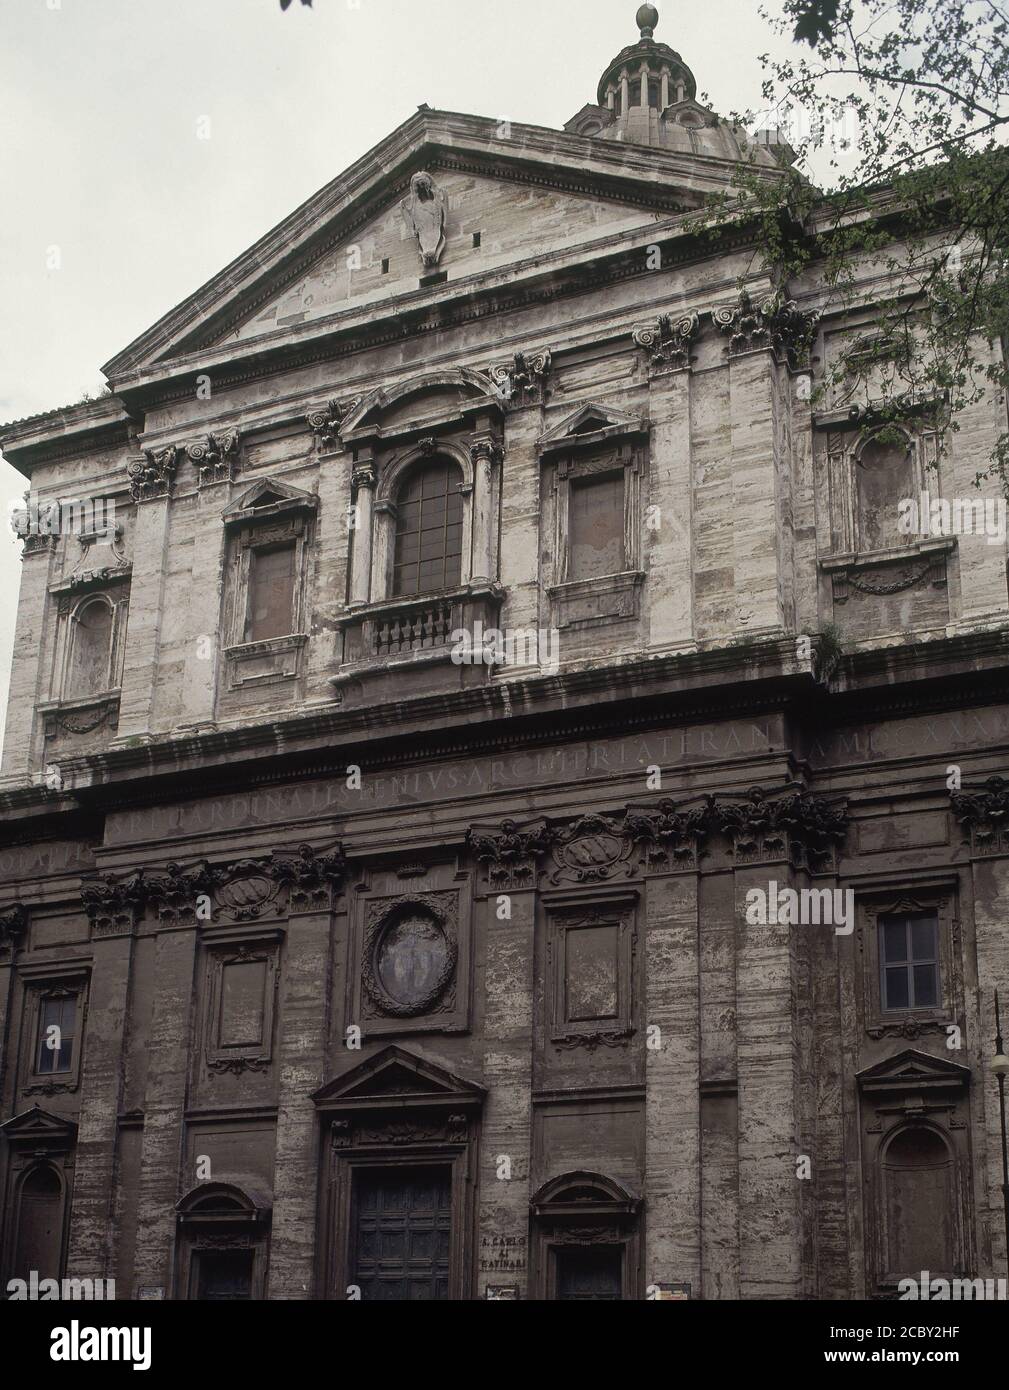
<point>646,693</point>
<point>29,448</point>
<point>530,712</point>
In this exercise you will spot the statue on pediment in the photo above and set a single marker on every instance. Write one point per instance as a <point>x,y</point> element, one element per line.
<point>424,211</point>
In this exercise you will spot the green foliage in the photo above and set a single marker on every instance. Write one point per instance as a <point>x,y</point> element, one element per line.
<point>902,110</point>
<point>829,650</point>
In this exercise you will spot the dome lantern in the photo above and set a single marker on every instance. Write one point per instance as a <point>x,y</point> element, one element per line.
<point>646,19</point>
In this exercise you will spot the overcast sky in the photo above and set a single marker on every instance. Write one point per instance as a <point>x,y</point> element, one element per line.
<point>103,102</point>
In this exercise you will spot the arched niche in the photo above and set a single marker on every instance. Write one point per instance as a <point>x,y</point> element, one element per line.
<point>918,1187</point>
<point>92,641</point>
<point>916,1169</point>
<point>39,1219</point>
<point>884,472</point>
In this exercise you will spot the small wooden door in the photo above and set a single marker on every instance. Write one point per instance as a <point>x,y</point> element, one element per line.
<point>401,1232</point>
<point>224,1276</point>
<point>588,1274</point>
<point>40,1226</point>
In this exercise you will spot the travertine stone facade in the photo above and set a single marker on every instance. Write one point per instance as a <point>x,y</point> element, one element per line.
<point>345,939</point>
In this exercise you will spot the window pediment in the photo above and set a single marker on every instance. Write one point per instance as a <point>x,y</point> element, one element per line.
<point>593,423</point>
<point>222,1203</point>
<point>423,403</point>
<point>40,1131</point>
<point>267,499</point>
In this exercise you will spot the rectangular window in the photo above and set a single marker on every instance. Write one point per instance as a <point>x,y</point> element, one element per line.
<point>909,961</point>
<point>57,1034</point>
<point>271,593</point>
<point>596,526</point>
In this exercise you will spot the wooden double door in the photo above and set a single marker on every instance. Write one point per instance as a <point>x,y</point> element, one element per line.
<point>401,1233</point>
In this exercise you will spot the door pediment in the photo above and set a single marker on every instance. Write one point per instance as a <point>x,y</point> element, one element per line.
<point>40,1131</point>
<point>912,1071</point>
<point>397,1079</point>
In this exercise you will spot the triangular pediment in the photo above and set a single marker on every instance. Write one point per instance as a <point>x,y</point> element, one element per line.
<point>396,1077</point>
<point>38,1129</point>
<point>268,497</point>
<point>490,223</point>
<point>513,198</point>
<point>912,1070</point>
<point>590,422</point>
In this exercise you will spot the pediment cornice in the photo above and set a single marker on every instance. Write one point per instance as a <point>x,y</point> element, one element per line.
<point>399,1079</point>
<point>912,1070</point>
<point>40,1131</point>
<point>655,179</point>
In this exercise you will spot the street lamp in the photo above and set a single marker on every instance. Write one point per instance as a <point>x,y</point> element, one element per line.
<point>1000,1070</point>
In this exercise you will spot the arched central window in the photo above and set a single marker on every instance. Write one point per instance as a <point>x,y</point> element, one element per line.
<point>428,530</point>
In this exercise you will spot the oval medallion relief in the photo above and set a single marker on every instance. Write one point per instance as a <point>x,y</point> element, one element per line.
<point>412,961</point>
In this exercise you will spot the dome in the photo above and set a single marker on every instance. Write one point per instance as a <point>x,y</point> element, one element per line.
<point>657,58</point>
<point>648,96</point>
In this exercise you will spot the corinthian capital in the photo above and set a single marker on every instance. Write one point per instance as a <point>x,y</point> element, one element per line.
<point>326,423</point>
<point>509,855</point>
<point>667,342</point>
<point>216,457</point>
<point>775,323</point>
<point>152,476</point>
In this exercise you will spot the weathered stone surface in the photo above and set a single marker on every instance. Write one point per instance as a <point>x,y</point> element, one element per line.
<point>507,980</point>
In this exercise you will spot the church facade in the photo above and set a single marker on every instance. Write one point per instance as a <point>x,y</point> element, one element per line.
<point>494,803</point>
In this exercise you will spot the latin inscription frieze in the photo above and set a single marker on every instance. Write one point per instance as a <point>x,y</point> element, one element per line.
<point>443,782</point>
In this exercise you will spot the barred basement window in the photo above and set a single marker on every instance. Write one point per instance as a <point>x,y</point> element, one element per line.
<point>909,961</point>
<point>428,530</point>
